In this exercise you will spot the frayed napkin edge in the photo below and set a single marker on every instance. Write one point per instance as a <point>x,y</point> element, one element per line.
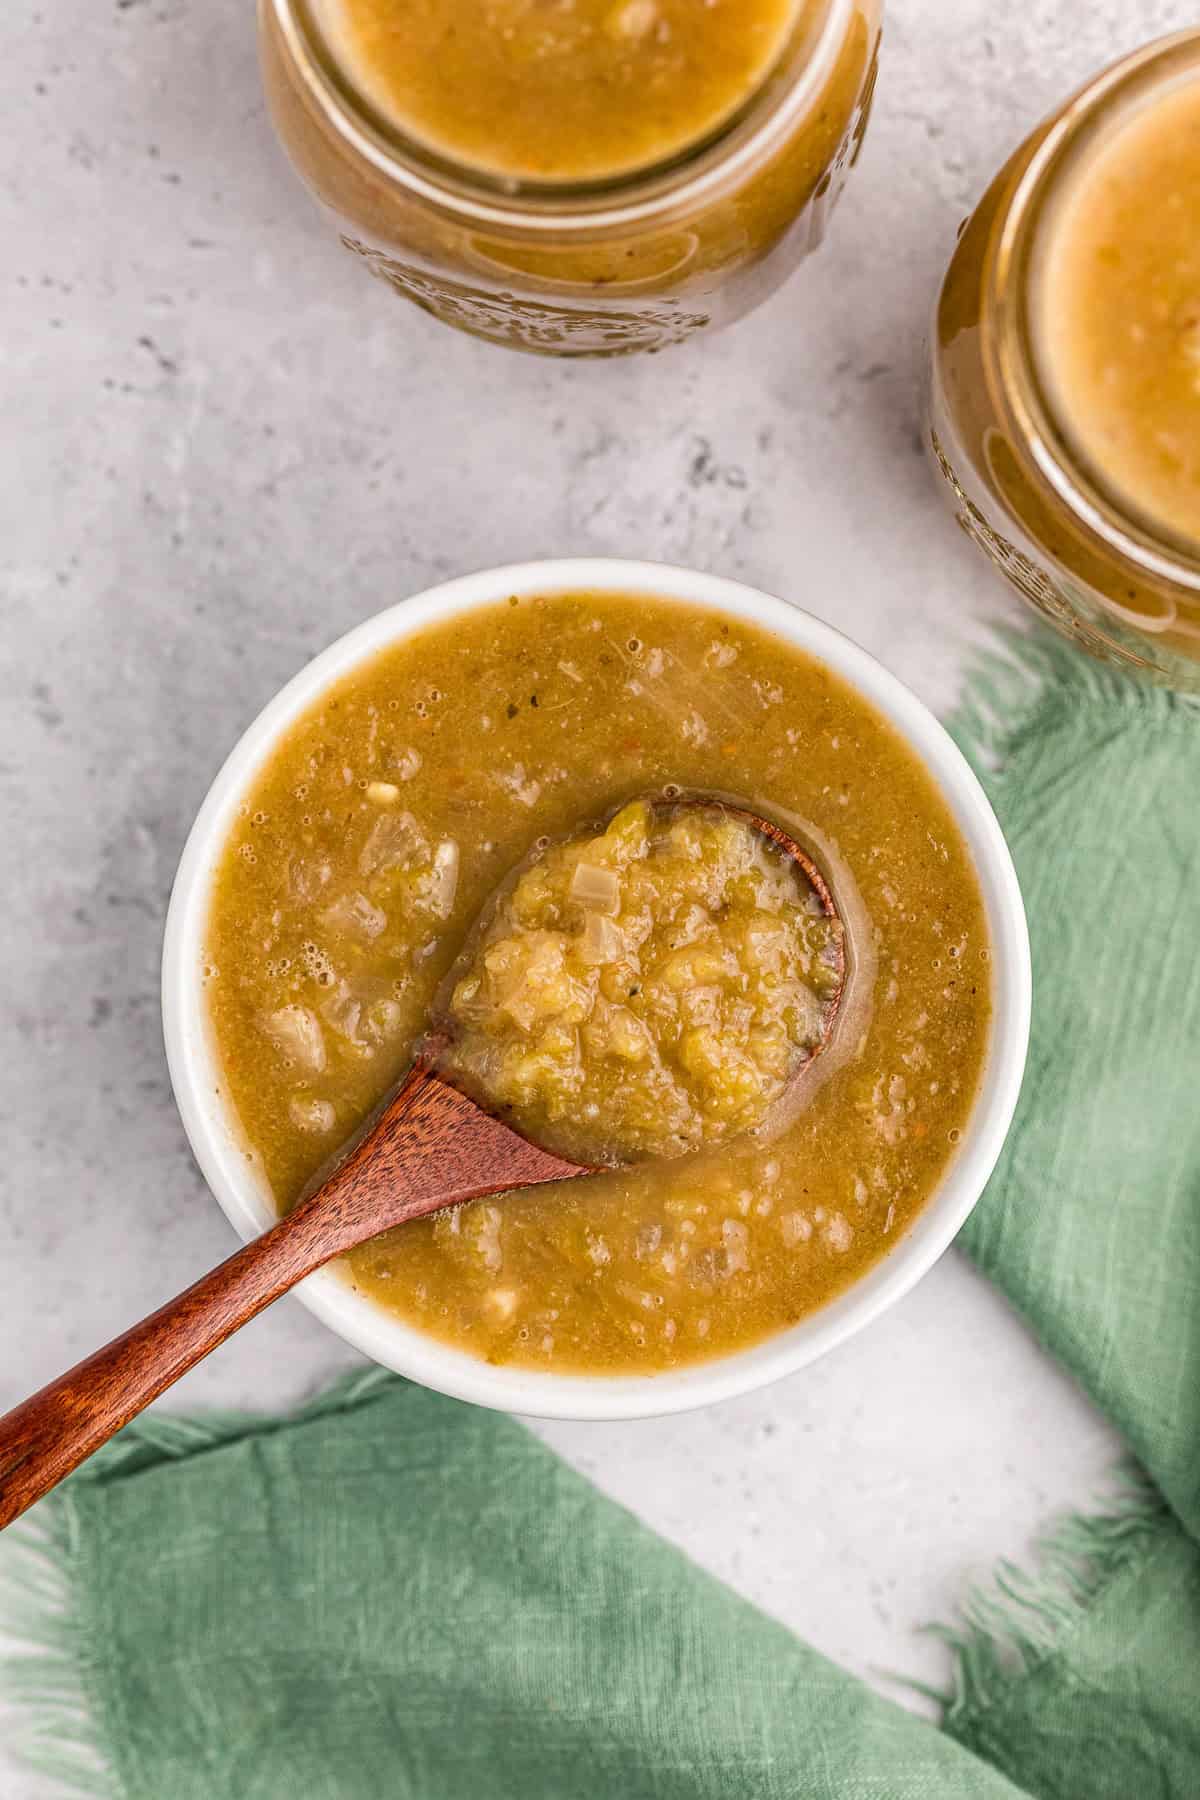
<point>1012,682</point>
<point>51,1668</point>
<point>1017,1620</point>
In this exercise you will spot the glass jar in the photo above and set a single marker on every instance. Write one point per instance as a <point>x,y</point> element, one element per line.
<point>1072,545</point>
<point>599,268</point>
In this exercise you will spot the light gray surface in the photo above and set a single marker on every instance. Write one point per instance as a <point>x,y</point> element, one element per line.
<point>222,445</point>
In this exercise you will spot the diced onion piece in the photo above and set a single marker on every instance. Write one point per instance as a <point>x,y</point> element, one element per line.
<point>627,1036</point>
<point>837,1233</point>
<point>313,1115</point>
<point>737,1245</point>
<point>383,793</point>
<point>484,1229</point>
<point>796,1228</point>
<point>597,889</point>
<point>356,914</point>
<point>602,940</point>
<point>343,1011</point>
<point>396,841</point>
<point>297,1034</point>
<point>384,1020</point>
<point>632,19</point>
<point>443,879</point>
<point>307,879</point>
<point>647,1242</point>
<point>520,1005</point>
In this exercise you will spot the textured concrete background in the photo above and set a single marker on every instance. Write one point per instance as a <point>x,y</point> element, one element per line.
<point>221,446</point>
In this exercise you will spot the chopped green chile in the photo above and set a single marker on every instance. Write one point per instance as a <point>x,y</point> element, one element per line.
<point>647,989</point>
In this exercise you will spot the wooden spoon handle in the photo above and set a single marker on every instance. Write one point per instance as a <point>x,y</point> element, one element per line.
<point>51,1433</point>
<point>430,1147</point>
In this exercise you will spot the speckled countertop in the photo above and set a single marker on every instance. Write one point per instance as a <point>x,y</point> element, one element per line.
<point>221,446</point>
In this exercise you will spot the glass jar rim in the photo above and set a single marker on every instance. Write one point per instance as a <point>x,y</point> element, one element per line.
<point>1018,390</point>
<point>700,171</point>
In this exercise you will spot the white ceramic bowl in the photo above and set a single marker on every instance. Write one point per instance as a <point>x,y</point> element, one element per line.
<point>196,1080</point>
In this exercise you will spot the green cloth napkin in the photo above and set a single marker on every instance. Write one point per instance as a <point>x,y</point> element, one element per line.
<point>392,1596</point>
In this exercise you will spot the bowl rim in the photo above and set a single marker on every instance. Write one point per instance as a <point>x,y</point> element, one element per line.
<point>360,1320</point>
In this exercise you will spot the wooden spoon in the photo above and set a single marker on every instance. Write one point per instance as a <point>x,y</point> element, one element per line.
<point>430,1147</point>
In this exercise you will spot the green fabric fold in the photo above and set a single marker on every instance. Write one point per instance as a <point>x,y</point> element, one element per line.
<point>395,1595</point>
<point>400,1596</point>
<point>1091,1223</point>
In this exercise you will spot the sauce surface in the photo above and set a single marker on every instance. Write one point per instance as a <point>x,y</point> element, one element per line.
<point>647,989</point>
<point>560,90</point>
<point>1118,311</point>
<point>332,931</point>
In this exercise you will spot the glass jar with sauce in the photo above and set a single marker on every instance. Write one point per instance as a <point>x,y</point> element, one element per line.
<point>587,179</point>
<point>1065,408</point>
